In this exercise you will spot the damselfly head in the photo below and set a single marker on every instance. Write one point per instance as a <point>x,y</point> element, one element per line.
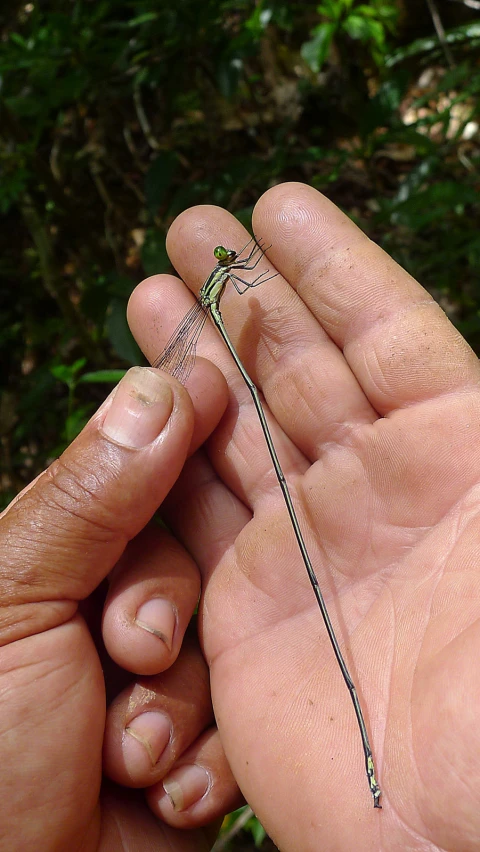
<point>223,256</point>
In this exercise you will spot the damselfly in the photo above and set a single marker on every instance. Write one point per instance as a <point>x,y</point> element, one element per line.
<point>178,359</point>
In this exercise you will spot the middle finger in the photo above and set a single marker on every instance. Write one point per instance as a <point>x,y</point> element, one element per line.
<point>308,385</point>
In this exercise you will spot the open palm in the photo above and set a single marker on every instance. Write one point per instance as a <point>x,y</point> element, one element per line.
<point>374,404</point>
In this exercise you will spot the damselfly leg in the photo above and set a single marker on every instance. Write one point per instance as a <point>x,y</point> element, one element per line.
<point>260,279</point>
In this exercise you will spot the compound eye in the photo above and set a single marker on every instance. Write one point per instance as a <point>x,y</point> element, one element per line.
<point>220,253</point>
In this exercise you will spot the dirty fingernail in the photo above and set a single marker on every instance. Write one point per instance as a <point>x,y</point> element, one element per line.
<point>140,408</point>
<point>186,785</point>
<point>157,616</point>
<point>148,735</point>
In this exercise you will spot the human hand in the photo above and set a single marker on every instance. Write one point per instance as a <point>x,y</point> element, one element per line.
<point>373,399</point>
<point>60,539</point>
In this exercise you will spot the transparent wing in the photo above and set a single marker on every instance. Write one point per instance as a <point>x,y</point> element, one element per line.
<point>178,357</point>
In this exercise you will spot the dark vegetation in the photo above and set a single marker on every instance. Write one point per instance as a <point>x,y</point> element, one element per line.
<point>115,115</point>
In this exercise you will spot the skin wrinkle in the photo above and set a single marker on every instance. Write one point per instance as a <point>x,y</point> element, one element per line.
<point>390,318</point>
<point>381,718</point>
<point>449,753</point>
<point>69,688</point>
<point>423,532</point>
<point>294,379</point>
<point>20,665</point>
<point>426,845</point>
<point>245,566</point>
<point>50,502</point>
<point>22,620</point>
<point>77,475</point>
<point>294,213</point>
<point>276,333</point>
<point>25,574</point>
<point>376,484</point>
<point>353,257</point>
<point>426,618</point>
<point>315,528</point>
<point>273,383</point>
<point>361,343</point>
<point>301,696</point>
<point>332,257</point>
<point>267,483</point>
<point>338,431</point>
<point>206,513</point>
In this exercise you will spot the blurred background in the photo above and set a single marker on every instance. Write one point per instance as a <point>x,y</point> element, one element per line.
<point>115,115</point>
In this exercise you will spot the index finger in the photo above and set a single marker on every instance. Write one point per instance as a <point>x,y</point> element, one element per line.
<point>396,339</point>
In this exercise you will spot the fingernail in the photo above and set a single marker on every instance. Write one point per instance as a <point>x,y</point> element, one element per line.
<point>140,408</point>
<point>157,616</point>
<point>186,785</point>
<point>149,734</point>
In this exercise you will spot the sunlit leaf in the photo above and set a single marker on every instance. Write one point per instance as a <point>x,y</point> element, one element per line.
<point>317,49</point>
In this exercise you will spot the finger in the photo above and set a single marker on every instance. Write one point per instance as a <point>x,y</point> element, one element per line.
<point>67,532</point>
<point>199,788</point>
<point>126,817</point>
<point>152,596</point>
<point>202,511</point>
<point>395,337</point>
<point>211,521</point>
<point>147,321</point>
<point>307,384</point>
<point>153,721</point>
<point>239,434</point>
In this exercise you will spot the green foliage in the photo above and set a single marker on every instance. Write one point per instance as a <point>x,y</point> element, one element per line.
<point>250,826</point>
<point>346,20</point>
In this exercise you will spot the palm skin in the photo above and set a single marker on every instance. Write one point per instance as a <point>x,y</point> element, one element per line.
<point>374,401</point>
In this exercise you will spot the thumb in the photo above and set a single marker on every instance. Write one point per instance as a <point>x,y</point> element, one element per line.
<point>63,534</point>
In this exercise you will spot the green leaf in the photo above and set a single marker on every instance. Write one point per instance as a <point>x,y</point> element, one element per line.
<point>315,51</point>
<point>67,372</point>
<point>466,33</point>
<point>143,19</point>
<point>441,202</point>
<point>76,421</point>
<point>366,11</point>
<point>364,29</point>
<point>259,20</point>
<point>102,377</point>
<point>18,40</point>
<point>258,832</point>
<point>334,9</point>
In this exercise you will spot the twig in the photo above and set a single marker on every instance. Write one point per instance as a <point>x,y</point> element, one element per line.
<point>143,120</point>
<point>108,213</point>
<point>237,826</point>
<point>127,135</point>
<point>439,29</point>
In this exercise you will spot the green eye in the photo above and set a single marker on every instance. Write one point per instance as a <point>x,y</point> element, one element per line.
<point>220,253</point>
